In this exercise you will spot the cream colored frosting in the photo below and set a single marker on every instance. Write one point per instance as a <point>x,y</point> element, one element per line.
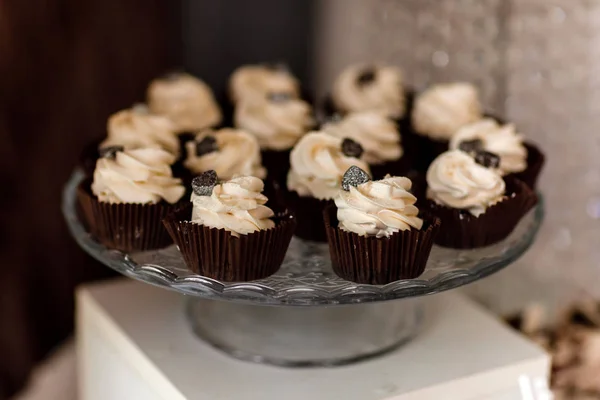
<point>502,140</point>
<point>137,128</point>
<point>378,208</point>
<point>186,100</point>
<point>443,109</point>
<point>376,133</point>
<point>254,82</point>
<point>277,125</point>
<point>455,180</point>
<point>385,93</point>
<point>137,176</point>
<point>237,206</point>
<point>318,164</point>
<point>238,154</point>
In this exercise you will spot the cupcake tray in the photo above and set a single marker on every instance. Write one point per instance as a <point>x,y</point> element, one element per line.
<point>306,277</point>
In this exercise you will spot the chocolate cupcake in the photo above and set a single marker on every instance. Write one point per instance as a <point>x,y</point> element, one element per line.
<point>370,87</point>
<point>438,113</point>
<point>227,232</point>
<point>277,121</point>
<point>374,230</point>
<point>517,158</point>
<point>131,192</point>
<point>476,205</point>
<point>318,163</point>
<point>254,82</point>
<point>379,137</point>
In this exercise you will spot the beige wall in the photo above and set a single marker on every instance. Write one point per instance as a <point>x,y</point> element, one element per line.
<point>536,62</point>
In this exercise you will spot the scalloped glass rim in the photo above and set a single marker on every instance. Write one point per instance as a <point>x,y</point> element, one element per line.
<point>306,278</point>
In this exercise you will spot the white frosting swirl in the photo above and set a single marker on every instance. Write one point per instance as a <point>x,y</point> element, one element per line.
<point>236,206</point>
<point>502,140</point>
<point>318,164</point>
<point>378,208</point>
<point>276,124</point>
<point>238,154</point>
<point>376,133</point>
<point>384,93</point>
<point>443,109</point>
<point>137,176</point>
<point>455,180</point>
<point>253,82</point>
<point>137,128</point>
<point>186,100</point>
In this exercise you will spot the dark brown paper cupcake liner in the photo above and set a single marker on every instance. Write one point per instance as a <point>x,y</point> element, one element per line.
<point>378,261</point>
<point>88,157</point>
<point>217,254</point>
<point>125,227</point>
<point>461,230</point>
<point>535,163</point>
<point>277,164</point>
<point>309,214</point>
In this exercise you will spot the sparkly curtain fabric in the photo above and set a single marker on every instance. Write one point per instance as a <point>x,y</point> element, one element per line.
<point>536,63</point>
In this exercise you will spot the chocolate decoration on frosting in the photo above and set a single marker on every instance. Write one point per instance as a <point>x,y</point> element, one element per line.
<point>354,176</point>
<point>471,146</point>
<point>280,97</point>
<point>351,148</point>
<point>487,159</point>
<point>207,145</point>
<point>203,184</point>
<point>110,151</point>
<point>367,76</point>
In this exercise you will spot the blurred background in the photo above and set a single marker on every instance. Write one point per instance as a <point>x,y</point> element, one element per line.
<point>66,65</point>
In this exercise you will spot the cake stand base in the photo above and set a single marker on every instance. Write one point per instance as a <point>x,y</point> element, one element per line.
<point>305,336</point>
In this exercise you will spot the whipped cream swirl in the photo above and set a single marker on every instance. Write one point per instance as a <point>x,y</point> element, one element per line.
<point>187,101</point>
<point>137,176</point>
<point>376,133</point>
<point>374,88</point>
<point>137,128</point>
<point>443,109</point>
<point>276,123</point>
<point>237,153</point>
<point>378,208</point>
<point>254,82</point>
<point>237,206</point>
<point>502,140</point>
<point>318,165</point>
<point>455,180</point>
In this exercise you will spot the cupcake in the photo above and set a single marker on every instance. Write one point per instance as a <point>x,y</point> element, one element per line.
<point>379,137</point>
<point>375,233</point>
<point>254,82</point>
<point>277,121</point>
<point>187,101</point>
<point>131,192</point>
<point>476,205</point>
<point>227,232</point>
<point>318,163</point>
<point>517,158</point>
<point>370,88</point>
<point>439,112</point>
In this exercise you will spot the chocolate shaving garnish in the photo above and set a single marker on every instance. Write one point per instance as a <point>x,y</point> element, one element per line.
<point>280,97</point>
<point>203,184</point>
<point>366,76</point>
<point>487,159</point>
<point>207,145</point>
<point>110,151</point>
<point>354,176</point>
<point>578,317</point>
<point>351,148</point>
<point>471,146</point>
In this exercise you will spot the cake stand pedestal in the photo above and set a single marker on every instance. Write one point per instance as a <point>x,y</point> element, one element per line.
<point>272,320</point>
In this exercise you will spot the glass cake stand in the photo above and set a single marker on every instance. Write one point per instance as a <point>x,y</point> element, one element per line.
<point>305,315</point>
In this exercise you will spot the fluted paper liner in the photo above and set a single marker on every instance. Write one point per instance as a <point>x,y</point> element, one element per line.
<point>461,230</point>
<point>125,227</point>
<point>378,261</point>
<point>217,254</point>
<point>309,213</point>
